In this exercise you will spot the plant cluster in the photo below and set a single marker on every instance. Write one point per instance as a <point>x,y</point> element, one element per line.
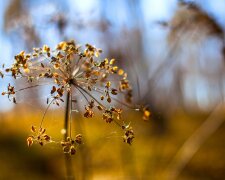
<point>69,69</point>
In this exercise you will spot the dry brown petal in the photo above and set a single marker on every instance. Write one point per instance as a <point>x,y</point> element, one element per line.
<point>108,84</point>
<point>53,89</point>
<point>114,91</point>
<point>42,130</point>
<point>1,74</point>
<point>56,65</point>
<point>109,100</point>
<point>29,141</point>
<point>66,149</point>
<point>47,138</point>
<point>100,107</point>
<point>72,150</point>
<point>33,129</point>
<point>112,61</point>
<point>46,48</point>
<point>78,139</point>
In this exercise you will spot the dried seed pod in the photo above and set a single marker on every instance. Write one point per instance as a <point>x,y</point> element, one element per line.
<point>29,141</point>
<point>100,107</point>
<point>78,139</point>
<point>114,91</point>
<point>53,89</point>
<point>33,129</point>
<point>109,100</point>
<point>72,150</point>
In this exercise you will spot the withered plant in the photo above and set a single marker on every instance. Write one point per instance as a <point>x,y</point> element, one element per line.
<point>69,69</point>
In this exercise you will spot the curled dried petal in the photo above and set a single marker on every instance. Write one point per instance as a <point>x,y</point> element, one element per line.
<point>29,141</point>
<point>72,150</point>
<point>33,129</point>
<point>78,139</point>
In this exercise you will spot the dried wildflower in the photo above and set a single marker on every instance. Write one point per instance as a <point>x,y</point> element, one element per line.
<point>69,146</point>
<point>78,139</point>
<point>11,93</point>
<point>38,136</point>
<point>30,141</point>
<point>70,69</point>
<point>128,134</point>
<point>107,116</point>
<point>89,113</point>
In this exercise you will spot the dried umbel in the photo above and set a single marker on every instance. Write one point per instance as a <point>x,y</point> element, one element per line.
<point>70,69</point>
<point>38,136</point>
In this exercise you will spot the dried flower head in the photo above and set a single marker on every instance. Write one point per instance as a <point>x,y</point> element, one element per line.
<point>70,145</point>
<point>70,69</point>
<point>38,136</point>
<point>128,134</point>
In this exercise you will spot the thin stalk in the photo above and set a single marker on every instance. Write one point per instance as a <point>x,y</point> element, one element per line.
<point>67,114</point>
<point>89,95</point>
<point>71,108</point>
<point>68,160</point>
<point>46,110</point>
<point>38,85</point>
<point>118,101</point>
<point>117,123</point>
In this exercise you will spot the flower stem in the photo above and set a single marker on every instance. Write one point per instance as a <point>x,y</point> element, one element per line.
<point>67,114</point>
<point>68,160</point>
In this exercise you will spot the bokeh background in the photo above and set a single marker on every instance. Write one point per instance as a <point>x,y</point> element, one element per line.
<point>174,53</point>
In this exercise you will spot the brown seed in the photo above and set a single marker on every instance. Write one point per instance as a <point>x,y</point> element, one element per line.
<point>14,100</point>
<point>47,138</point>
<point>109,100</point>
<point>100,108</point>
<point>78,139</point>
<point>114,91</point>
<point>72,150</point>
<point>29,141</point>
<point>53,89</point>
<point>33,129</point>
<point>66,149</point>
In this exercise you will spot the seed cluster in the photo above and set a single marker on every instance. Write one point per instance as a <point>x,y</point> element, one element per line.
<point>69,146</point>
<point>38,136</point>
<point>68,68</point>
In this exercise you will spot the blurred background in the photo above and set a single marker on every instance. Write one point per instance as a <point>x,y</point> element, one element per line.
<point>174,54</point>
